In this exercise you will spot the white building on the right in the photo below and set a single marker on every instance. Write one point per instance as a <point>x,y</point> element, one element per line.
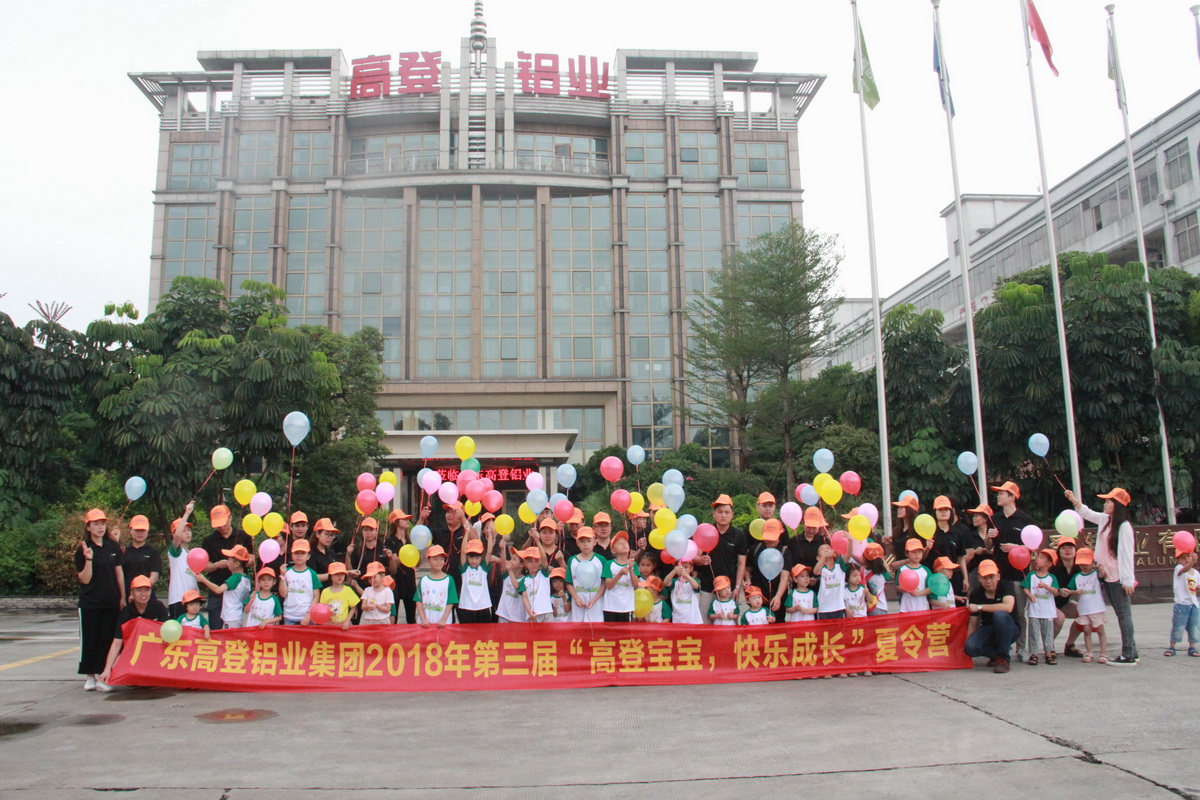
<point>1093,212</point>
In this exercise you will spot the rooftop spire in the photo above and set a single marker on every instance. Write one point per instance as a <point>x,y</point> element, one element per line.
<point>478,39</point>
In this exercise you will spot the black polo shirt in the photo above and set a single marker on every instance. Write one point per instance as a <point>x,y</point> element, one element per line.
<point>155,611</point>
<point>800,550</point>
<point>214,543</point>
<point>363,555</point>
<point>405,577</point>
<point>724,559</point>
<point>1010,533</point>
<point>945,544</point>
<point>102,591</point>
<point>141,561</point>
<point>978,597</point>
<point>319,562</point>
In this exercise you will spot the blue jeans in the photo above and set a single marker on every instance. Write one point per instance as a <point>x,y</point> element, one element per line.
<point>1185,615</point>
<point>1114,592</point>
<point>995,640</point>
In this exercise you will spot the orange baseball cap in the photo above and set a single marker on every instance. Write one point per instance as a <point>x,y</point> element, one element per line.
<point>218,516</point>
<point>373,569</point>
<point>943,563</point>
<point>721,582</point>
<point>338,568</point>
<point>1010,487</point>
<point>398,514</point>
<point>176,523</point>
<point>585,533</point>
<point>1065,541</point>
<point>988,567</point>
<point>652,583</point>
<point>139,523</point>
<point>576,516</point>
<point>640,515</point>
<point>722,500</point>
<point>914,544</point>
<point>765,497</point>
<point>814,517</point>
<point>772,530</point>
<point>941,501</point>
<point>1085,556</point>
<point>302,545</point>
<point>600,516</point>
<point>558,572</point>
<point>473,546</point>
<point>796,570</point>
<point>907,502</point>
<point>141,582</point>
<point>872,551</point>
<point>619,535</point>
<point>487,515</point>
<point>325,524</point>
<point>264,571</point>
<point>455,504</point>
<point>95,515</point>
<point>548,523</point>
<point>752,591</point>
<point>239,552</point>
<point>982,508</point>
<point>435,550</point>
<point>297,516</point>
<point>191,596</point>
<point>1118,494</point>
<point>853,511</point>
<point>1051,554</point>
<point>530,552</point>
<point>370,522</point>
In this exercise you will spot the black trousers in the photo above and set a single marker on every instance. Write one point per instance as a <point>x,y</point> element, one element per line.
<point>618,616</point>
<point>214,612</point>
<point>468,617</point>
<point>96,629</point>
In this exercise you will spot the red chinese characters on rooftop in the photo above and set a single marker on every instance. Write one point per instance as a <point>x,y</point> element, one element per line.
<point>537,74</point>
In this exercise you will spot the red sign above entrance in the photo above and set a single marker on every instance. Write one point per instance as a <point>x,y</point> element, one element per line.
<point>493,474</point>
<point>420,73</point>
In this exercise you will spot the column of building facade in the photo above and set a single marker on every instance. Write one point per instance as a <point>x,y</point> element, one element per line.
<point>675,282</point>
<point>620,266</point>
<point>412,296</point>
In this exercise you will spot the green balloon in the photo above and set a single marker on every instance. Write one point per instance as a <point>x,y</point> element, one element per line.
<point>939,584</point>
<point>471,464</point>
<point>222,458</point>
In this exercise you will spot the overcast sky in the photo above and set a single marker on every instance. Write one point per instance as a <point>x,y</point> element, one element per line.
<point>79,144</point>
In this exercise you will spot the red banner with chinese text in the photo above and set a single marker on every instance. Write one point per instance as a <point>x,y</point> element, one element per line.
<point>409,658</point>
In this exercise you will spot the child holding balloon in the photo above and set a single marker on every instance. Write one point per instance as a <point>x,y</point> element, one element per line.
<point>1185,616</point>
<point>1086,587</point>
<point>584,579</point>
<point>685,594</point>
<point>474,601</point>
<point>913,578</point>
<point>299,586</point>
<point>1040,589</point>
<point>660,609</point>
<point>620,579</point>
<point>235,590</point>
<point>182,578</point>
<point>944,568</point>
<point>877,577</point>
<point>831,584</point>
<point>263,607</point>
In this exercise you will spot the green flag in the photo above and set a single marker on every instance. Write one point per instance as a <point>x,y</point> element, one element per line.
<point>864,76</point>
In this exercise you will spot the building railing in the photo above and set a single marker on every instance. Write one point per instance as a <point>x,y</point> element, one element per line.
<point>395,165</point>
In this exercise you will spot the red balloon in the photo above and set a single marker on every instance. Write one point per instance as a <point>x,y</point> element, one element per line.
<point>612,469</point>
<point>1183,542</point>
<point>706,537</point>
<point>666,557</point>
<point>493,501</point>
<point>197,559</point>
<point>365,481</point>
<point>620,500</point>
<point>464,479</point>
<point>564,510</point>
<point>840,542</point>
<point>367,501</point>
<point>851,482</point>
<point>488,483</point>
<point>475,491</point>
<point>909,581</point>
<point>1019,557</point>
<point>320,613</point>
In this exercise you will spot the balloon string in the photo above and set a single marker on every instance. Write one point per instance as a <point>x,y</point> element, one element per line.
<point>206,480</point>
<point>121,517</point>
<point>978,494</point>
<point>1055,474</point>
<point>291,478</point>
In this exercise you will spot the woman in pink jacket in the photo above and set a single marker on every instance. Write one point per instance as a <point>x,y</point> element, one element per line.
<point>1114,554</point>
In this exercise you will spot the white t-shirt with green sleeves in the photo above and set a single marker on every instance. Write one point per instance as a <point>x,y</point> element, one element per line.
<point>537,586</point>
<point>830,586</point>
<point>910,602</point>
<point>719,606</point>
<point>300,587</point>
<point>806,599</point>
<point>760,617</point>
<point>233,601</point>
<point>619,599</point>
<point>260,609</point>
<point>198,621</point>
<point>182,580</point>
<point>475,595</point>
<point>1043,589</point>
<point>435,594</point>
<point>578,612</point>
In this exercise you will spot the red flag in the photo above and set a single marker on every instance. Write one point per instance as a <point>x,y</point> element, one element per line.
<point>1040,36</point>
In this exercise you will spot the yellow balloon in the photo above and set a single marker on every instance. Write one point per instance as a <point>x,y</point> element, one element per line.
<point>636,502</point>
<point>526,514</point>
<point>388,477</point>
<point>472,508</point>
<point>821,480</point>
<point>665,519</point>
<point>272,523</point>
<point>924,526</point>
<point>410,556</point>
<point>859,527</point>
<point>643,603</point>
<point>504,525</point>
<point>831,492</point>
<point>657,539</point>
<point>654,493</point>
<point>252,524</point>
<point>243,490</point>
<point>464,448</point>
<point>756,528</point>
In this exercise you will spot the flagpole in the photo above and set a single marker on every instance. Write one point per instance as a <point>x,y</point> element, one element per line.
<point>1064,363</point>
<point>1196,13</point>
<point>1122,103</point>
<point>963,257</point>
<point>877,320</point>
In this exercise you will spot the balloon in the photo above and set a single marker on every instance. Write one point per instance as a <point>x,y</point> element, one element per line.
<point>691,552</point>
<point>643,602</point>
<point>448,492</point>
<point>673,476</point>
<point>968,462</point>
<point>673,496</point>
<point>664,519</point>
<point>851,482</point>
<point>171,631</point>
<point>488,485</point>
<point>268,551</point>
<point>586,574</point>
<point>197,559</point>
<point>464,448</point>
<point>1019,557</point>
<point>244,490</point>
<point>1067,523</point>
<point>387,476</point>
<point>555,499</point>
<point>688,524</point>
<point>472,508</point>
<point>536,500</point>
<point>471,464</point>
<point>365,481</point>
<point>939,584</point>
<point>296,427</point>
<point>564,510</point>
<point>566,475</point>
<point>535,481</point>
<point>857,548</point>
<point>272,523</point>
<point>420,537</point>
<point>756,528</point>
<point>909,580</point>
<point>1183,542</point>
<point>431,482</point>
<point>320,613</point>
<point>620,500</point>
<point>666,557</point>
<point>1039,445</point>
<point>823,460</point>
<point>1075,516</point>
<point>465,476</point>
<point>925,526</point>
<point>657,539</point>
<point>840,543</point>
<point>409,556</point>
<point>770,563</point>
<point>706,537</point>
<point>429,446</point>
<point>831,492</point>
<point>808,494</point>
<point>261,503</point>
<point>135,487</point>
<point>636,502</point>
<point>222,457</point>
<point>612,469</point>
<point>791,515</point>
<point>869,511</point>
<point>421,473</point>
<point>504,525</point>
<point>386,492</point>
<point>654,493</point>
<point>635,455</point>
<point>821,479</point>
<point>252,524</point>
<point>859,527</point>
<point>493,501</point>
<point>367,501</point>
<point>525,514</point>
<point>799,492</point>
<point>475,491</point>
<point>1031,537</point>
<point>676,543</point>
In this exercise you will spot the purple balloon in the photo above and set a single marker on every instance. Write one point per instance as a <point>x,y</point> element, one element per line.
<point>385,492</point>
<point>260,504</point>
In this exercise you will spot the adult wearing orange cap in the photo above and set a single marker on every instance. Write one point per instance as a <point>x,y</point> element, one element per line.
<point>223,537</point>
<point>142,605</point>
<point>728,558</point>
<point>322,556</point>
<point>948,542</point>
<point>141,558</point>
<point>1114,555</point>
<point>1008,523</point>
<point>992,629</point>
<point>907,509</point>
<point>405,577</point>
<point>98,565</point>
<point>803,548</point>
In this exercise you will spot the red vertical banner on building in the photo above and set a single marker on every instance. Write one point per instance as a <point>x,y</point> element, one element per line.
<point>528,656</point>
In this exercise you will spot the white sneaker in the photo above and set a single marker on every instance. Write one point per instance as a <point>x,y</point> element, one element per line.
<point>89,685</point>
<point>102,686</point>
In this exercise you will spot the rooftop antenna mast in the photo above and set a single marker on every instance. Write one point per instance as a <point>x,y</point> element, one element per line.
<point>478,40</point>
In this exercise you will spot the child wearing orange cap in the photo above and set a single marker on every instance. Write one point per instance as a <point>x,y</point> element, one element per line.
<point>723,609</point>
<point>535,586</point>
<point>263,607</point>
<point>585,579</point>
<point>182,580</point>
<point>558,595</point>
<point>757,613</point>
<point>378,598</point>
<point>685,594</point>
<point>191,616</point>
<point>510,607</point>
<point>918,599</point>
<point>1040,589</point>
<point>877,577</point>
<point>436,593</point>
<point>946,568</point>
<point>802,600</point>
<point>620,578</point>
<point>831,584</point>
<point>299,586</point>
<point>235,590</point>
<point>857,597</point>
<point>340,598</point>
<point>475,600</point>
<point>1086,586</point>
<point>660,611</point>
<point>1185,616</point>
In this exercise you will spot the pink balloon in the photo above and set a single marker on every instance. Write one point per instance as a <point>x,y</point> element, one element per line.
<point>612,469</point>
<point>487,485</point>
<point>320,613</point>
<point>840,543</point>
<point>791,515</point>
<point>448,492</point>
<point>1031,537</point>
<point>1078,519</point>
<point>1018,557</point>
<point>692,551</point>
<point>857,548</point>
<point>197,559</point>
<point>431,482</point>
<point>268,551</point>
<point>909,581</point>
<point>869,511</point>
<point>1183,542</point>
<point>475,491</point>
<point>367,501</point>
<point>365,481</point>
<point>799,490</point>
<point>564,510</point>
<point>620,501</point>
<point>385,492</point>
<point>535,481</point>
<point>493,501</point>
<point>260,504</point>
<point>706,537</point>
<point>464,478</point>
<point>851,482</point>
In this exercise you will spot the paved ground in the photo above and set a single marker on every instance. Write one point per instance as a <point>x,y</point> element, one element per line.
<point>1073,730</point>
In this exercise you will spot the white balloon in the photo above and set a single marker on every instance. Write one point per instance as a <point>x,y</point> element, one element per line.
<point>421,537</point>
<point>586,574</point>
<point>676,543</point>
<point>673,476</point>
<point>770,563</point>
<point>688,524</point>
<point>536,500</point>
<point>566,475</point>
<point>673,496</point>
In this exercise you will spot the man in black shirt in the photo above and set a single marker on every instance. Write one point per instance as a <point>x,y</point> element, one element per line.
<point>722,559</point>
<point>142,605</point>
<point>803,547</point>
<point>222,537</point>
<point>992,630</point>
<point>141,558</point>
<point>1009,522</point>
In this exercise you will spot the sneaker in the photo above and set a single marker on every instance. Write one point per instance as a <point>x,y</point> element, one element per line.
<point>101,686</point>
<point>89,685</point>
<point>1123,661</point>
<point>1001,666</point>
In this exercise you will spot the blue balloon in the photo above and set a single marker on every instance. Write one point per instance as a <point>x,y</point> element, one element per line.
<point>536,500</point>
<point>429,446</point>
<point>555,499</point>
<point>566,475</point>
<point>672,477</point>
<point>421,475</point>
<point>770,563</point>
<point>673,497</point>
<point>636,454</point>
<point>676,543</point>
<point>688,524</point>
<point>1039,444</point>
<point>296,427</point>
<point>823,460</point>
<point>586,574</point>
<point>135,487</point>
<point>808,495</point>
<point>421,537</point>
<point>968,462</point>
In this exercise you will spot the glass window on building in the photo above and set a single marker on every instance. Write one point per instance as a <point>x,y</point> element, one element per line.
<point>1187,238</point>
<point>1147,181</point>
<point>755,219</point>
<point>581,286</point>
<point>444,287</point>
<point>700,215</point>
<point>698,156</point>
<point>1179,165</point>
<point>650,372</point>
<point>194,167</point>
<point>509,296</point>
<point>384,155</point>
<point>761,165</point>
<point>562,153</point>
<point>251,241</point>
<point>373,234</point>
<point>188,244</point>
<point>307,273</point>
<point>310,155</point>
<point>1068,227</point>
<point>256,156</point>
<point>645,154</point>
